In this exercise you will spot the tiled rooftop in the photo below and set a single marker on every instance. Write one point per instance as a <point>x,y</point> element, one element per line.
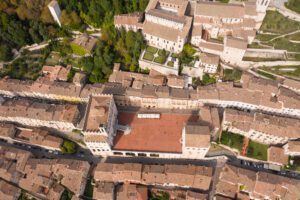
<point>160,135</point>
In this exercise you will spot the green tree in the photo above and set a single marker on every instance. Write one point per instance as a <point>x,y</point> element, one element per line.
<point>68,147</point>
<point>5,52</point>
<point>143,4</point>
<point>71,20</point>
<point>206,80</point>
<point>132,68</point>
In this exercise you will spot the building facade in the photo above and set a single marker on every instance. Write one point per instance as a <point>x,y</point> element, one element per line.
<point>55,11</point>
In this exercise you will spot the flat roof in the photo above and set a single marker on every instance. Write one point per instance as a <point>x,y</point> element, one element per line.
<point>152,135</point>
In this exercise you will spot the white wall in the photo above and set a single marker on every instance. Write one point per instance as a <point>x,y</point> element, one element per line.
<point>55,12</point>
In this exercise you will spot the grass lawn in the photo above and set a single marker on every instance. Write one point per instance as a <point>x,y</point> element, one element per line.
<point>257,59</point>
<point>293,5</point>
<point>152,50</point>
<point>265,37</point>
<point>295,36</point>
<point>161,53</point>
<point>232,74</point>
<point>284,43</point>
<point>292,56</point>
<point>53,59</point>
<point>170,64</point>
<point>78,49</point>
<point>174,55</point>
<point>267,75</point>
<point>275,22</point>
<point>255,45</point>
<point>257,151</point>
<point>232,140</point>
<point>148,56</point>
<point>160,59</point>
<point>293,71</point>
<point>223,1</point>
<point>207,80</point>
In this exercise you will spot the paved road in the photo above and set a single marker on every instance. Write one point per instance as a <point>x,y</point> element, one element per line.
<point>147,160</point>
<point>39,152</point>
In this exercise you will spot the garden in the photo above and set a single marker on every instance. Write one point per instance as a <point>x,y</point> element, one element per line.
<point>275,25</point>
<point>232,140</point>
<point>293,5</point>
<point>257,151</point>
<point>293,164</point>
<point>232,74</point>
<point>289,71</point>
<point>156,55</point>
<point>265,74</point>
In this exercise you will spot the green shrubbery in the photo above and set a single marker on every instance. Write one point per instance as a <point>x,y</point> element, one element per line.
<point>68,147</point>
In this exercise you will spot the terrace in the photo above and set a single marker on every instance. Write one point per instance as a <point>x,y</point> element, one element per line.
<point>159,57</point>
<point>152,135</point>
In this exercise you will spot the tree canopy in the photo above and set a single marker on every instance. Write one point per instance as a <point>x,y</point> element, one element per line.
<point>68,147</point>
<point>124,48</point>
<point>5,52</point>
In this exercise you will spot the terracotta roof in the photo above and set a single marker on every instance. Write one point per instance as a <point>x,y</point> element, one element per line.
<point>292,84</point>
<point>167,33</point>
<point>128,19</point>
<point>144,138</point>
<point>161,31</point>
<point>289,98</point>
<point>97,114</point>
<point>210,59</point>
<point>197,31</point>
<point>212,46</point>
<point>238,176</point>
<point>103,190</point>
<point>176,81</point>
<point>236,43</point>
<point>86,42</point>
<point>191,195</point>
<point>7,130</point>
<point>276,154</point>
<point>221,10</point>
<point>199,177</point>
<point>293,146</point>
<point>179,5</point>
<point>166,15</point>
<point>41,111</point>
<point>250,8</point>
<point>132,192</point>
<point>227,189</point>
<point>275,186</point>
<point>268,124</point>
<point>39,137</point>
<point>9,191</point>
<point>79,78</point>
<point>197,136</point>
